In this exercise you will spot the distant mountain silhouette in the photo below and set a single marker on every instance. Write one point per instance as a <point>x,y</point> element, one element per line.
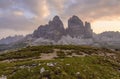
<point>11,39</point>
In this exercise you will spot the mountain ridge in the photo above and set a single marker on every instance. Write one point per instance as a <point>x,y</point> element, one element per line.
<point>77,33</point>
<point>55,28</point>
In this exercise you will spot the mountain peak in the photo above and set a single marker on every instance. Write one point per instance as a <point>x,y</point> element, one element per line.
<point>54,30</point>
<point>56,18</point>
<point>87,25</point>
<point>75,27</point>
<point>75,18</point>
<point>75,21</point>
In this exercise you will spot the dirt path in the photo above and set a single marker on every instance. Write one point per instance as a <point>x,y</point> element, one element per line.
<point>48,56</point>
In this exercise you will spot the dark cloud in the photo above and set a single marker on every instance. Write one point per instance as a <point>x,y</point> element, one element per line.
<point>26,15</point>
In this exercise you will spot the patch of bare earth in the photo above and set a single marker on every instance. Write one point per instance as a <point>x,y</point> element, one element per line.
<point>48,56</point>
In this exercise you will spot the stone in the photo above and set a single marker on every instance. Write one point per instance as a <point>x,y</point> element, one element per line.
<point>67,64</point>
<point>42,70</point>
<point>78,73</point>
<point>3,77</point>
<point>50,64</point>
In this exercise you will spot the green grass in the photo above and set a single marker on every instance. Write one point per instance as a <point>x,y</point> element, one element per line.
<point>27,52</point>
<point>89,67</point>
<point>86,67</point>
<point>35,51</point>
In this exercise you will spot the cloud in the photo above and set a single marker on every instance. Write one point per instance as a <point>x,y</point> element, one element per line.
<point>9,32</point>
<point>94,9</point>
<point>18,13</point>
<point>4,4</point>
<point>27,15</point>
<point>23,14</point>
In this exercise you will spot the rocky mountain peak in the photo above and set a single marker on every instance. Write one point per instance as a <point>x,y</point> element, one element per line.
<point>88,30</point>
<point>54,30</point>
<point>87,25</point>
<point>56,18</point>
<point>77,33</point>
<point>56,23</point>
<point>74,21</point>
<point>76,27</point>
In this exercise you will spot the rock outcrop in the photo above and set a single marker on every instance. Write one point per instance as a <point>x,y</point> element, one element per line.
<point>88,30</point>
<point>76,28</point>
<point>53,31</point>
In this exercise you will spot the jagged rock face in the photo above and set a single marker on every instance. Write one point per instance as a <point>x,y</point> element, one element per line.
<point>88,30</point>
<point>53,31</point>
<point>77,29</point>
<point>75,22</point>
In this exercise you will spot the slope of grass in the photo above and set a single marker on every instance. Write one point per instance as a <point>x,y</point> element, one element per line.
<point>35,51</point>
<point>89,67</point>
<point>85,67</point>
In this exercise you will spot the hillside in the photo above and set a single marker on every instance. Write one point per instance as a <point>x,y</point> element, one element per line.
<point>60,62</point>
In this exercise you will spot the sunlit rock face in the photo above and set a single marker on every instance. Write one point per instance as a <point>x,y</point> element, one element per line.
<point>54,30</point>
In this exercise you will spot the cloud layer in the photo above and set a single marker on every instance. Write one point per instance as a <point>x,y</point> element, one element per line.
<point>27,15</point>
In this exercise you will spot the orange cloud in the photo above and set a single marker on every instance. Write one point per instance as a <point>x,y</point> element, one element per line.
<point>45,10</point>
<point>18,13</point>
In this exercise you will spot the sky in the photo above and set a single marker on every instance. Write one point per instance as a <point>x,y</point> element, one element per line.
<point>21,17</point>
